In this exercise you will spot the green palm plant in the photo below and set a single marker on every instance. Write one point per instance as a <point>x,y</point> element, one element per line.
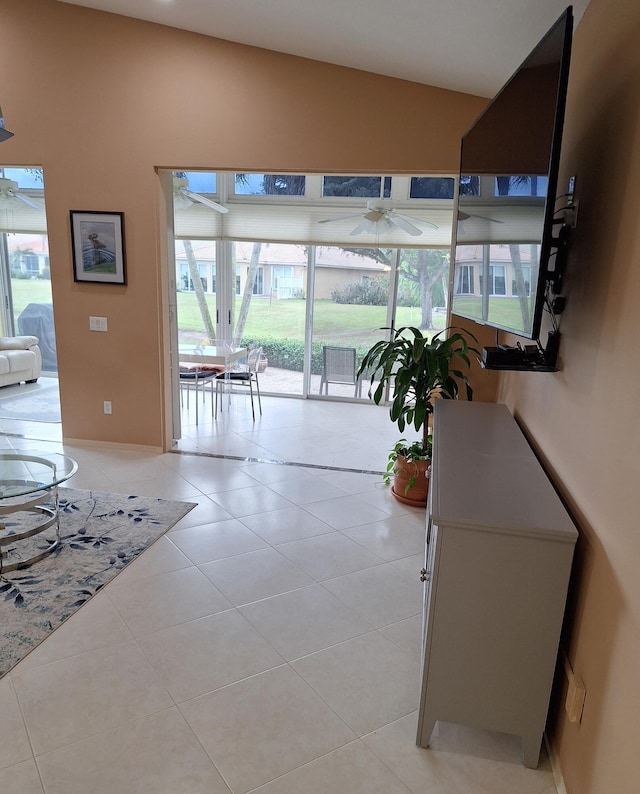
<point>419,370</point>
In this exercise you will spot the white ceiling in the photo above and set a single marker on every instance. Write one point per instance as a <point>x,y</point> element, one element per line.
<point>465,45</point>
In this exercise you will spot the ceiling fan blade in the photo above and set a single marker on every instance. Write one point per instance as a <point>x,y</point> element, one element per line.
<point>203,200</point>
<point>410,218</point>
<point>363,226</point>
<point>464,216</point>
<point>341,218</point>
<point>404,224</point>
<point>29,202</point>
<point>375,215</point>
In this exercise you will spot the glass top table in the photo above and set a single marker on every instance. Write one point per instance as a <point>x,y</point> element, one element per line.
<point>22,473</point>
<point>221,353</point>
<point>27,481</point>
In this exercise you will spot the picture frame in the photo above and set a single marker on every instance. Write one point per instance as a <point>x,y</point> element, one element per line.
<point>97,243</point>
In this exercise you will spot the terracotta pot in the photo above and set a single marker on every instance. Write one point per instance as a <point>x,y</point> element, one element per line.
<point>404,470</point>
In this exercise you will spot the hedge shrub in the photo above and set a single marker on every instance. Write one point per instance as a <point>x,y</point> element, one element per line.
<point>289,353</point>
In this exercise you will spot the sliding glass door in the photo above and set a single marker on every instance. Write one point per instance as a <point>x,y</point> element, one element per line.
<point>310,269</point>
<point>353,301</point>
<point>26,303</point>
<point>270,310</point>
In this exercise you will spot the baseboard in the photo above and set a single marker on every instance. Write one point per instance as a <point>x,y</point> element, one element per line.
<point>83,442</point>
<point>555,767</point>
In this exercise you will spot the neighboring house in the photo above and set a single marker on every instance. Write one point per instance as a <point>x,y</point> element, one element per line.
<point>501,268</point>
<point>28,255</point>
<point>281,270</point>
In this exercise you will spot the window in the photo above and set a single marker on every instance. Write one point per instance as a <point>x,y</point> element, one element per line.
<point>469,185</point>
<point>30,263</point>
<point>258,284</point>
<point>431,187</point>
<point>520,186</point>
<point>357,186</point>
<point>200,181</point>
<point>186,282</point>
<point>269,184</point>
<point>464,280</point>
<point>497,281</point>
<point>526,277</point>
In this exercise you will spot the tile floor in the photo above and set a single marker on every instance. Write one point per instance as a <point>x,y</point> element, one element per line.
<point>270,642</point>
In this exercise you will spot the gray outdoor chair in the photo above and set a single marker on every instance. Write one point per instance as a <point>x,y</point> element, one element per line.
<point>338,366</point>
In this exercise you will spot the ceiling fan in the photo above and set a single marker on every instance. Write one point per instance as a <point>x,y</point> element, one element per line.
<point>380,216</point>
<point>10,196</point>
<point>183,198</point>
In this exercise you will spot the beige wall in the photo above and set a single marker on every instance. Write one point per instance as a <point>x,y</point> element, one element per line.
<point>584,420</point>
<point>100,100</point>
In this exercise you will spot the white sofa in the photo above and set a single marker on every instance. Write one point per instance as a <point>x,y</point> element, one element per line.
<point>20,359</point>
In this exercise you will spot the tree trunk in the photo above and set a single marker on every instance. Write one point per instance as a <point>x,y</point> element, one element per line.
<point>426,303</point>
<point>194,274</point>
<point>248,292</point>
<point>518,275</point>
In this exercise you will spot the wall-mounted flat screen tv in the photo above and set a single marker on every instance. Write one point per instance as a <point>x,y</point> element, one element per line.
<point>504,235</point>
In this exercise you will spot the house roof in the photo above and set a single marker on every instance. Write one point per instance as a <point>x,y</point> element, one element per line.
<point>283,254</point>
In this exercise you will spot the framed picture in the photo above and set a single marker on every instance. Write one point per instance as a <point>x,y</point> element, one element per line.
<point>97,241</point>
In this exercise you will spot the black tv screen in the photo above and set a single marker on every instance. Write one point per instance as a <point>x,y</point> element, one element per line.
<point>507,192</point>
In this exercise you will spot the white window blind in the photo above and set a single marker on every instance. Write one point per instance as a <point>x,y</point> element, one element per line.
<point>22,219</point>
<point>299,223</point>
<point>501,223</point>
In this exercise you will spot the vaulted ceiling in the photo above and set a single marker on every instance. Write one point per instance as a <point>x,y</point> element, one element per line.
<point>465,45</point>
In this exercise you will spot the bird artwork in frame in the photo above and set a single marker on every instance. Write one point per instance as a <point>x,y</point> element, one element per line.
<point>98,246</point>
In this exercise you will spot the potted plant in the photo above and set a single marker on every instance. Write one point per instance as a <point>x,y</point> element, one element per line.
<point>419,370</point>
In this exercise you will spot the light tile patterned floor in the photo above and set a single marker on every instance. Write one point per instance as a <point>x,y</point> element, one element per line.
<point>270,642</point>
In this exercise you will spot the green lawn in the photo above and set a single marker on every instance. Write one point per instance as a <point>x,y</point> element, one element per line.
<point>332,322</point>
<point>503,311</point>
<point>29,290</point>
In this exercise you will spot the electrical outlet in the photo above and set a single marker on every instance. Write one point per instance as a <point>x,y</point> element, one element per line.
<point>107,407</point>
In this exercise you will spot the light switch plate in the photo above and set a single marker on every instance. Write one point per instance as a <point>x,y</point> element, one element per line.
<point>98,324</point>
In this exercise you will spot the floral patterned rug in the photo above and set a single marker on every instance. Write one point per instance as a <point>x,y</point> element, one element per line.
<point>100,534</point>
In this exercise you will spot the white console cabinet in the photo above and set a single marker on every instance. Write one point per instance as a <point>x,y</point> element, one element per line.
<point>498,559</point>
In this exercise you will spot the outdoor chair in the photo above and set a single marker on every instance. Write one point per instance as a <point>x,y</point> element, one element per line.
<point>338,366</point>
<point>196,378</point>
<point>244,377</point>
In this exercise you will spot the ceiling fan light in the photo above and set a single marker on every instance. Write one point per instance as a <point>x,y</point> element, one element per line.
<point>181,202</point>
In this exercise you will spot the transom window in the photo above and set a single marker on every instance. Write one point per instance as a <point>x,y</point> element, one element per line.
<point>357,186</point>
<point>270,184</point>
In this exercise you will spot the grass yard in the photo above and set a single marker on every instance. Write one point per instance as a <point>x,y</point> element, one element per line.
<point>504,312</point>
<point>29,290</point>
<point>334,323</point>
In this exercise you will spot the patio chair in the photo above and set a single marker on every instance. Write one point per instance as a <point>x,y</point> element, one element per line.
<point>338,366</point>
<point>198,379</point>
<point>245,377</point>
